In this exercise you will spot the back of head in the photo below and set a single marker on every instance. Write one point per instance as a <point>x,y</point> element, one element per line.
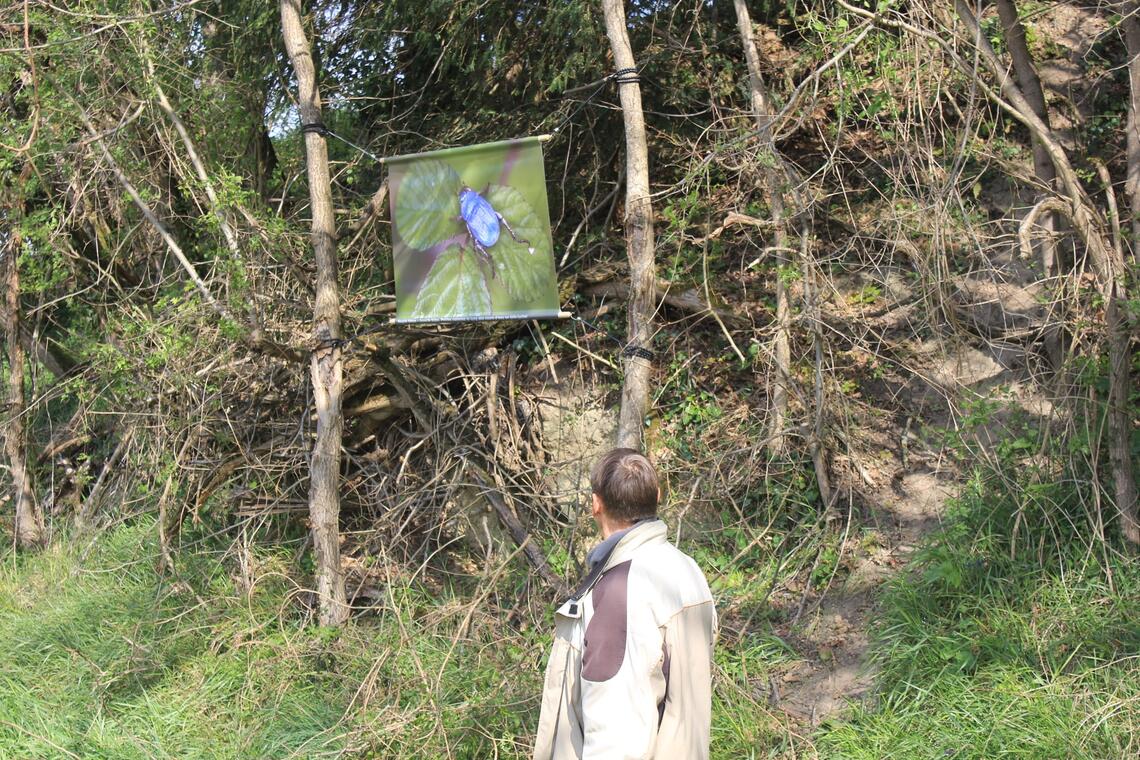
<point>627,485</point>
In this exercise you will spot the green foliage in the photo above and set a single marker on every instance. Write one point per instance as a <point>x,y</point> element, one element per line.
<point>865,296</point>
<point>520,264</point>
<point>867,84</point>
<point>698,409</point>
<point>827,565</point>
<point>743,728</point>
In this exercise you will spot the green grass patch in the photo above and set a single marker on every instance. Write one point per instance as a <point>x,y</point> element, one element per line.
<point>103,658</point>
<point>1005,642</point>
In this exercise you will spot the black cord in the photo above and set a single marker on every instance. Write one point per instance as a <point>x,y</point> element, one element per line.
<point>345,342</point>
<point>583,104</point>
<point>627,75</point>
<point>621,76</point>
<point>318,128</point>
<point>627,349</point>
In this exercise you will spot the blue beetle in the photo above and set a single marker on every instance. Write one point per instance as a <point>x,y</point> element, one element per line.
<point>480,217</point>
<point>483,222</point>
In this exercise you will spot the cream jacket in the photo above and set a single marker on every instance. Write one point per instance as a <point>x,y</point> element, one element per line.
<point>629,672</point>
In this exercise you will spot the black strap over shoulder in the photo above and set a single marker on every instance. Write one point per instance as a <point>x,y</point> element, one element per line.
<point>598,568</point>
<point>591,577</point>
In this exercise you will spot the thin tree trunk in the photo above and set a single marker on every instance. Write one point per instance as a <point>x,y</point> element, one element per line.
<point>1030,83</point>
<point>1110,270</point>
<point>1120,421</point>
<point>774,177</point>
<point>29,528</point>
<point>639,236</point>
<point>326,366</point>
<point>1128,500</point>
<point>1130,12</point>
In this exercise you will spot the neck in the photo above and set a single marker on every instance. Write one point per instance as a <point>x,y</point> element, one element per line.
<point>609,528</point>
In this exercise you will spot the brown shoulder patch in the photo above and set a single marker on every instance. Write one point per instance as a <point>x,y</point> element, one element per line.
<point>604,648</point>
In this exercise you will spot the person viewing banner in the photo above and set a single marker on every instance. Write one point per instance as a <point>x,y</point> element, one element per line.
<point>471,234</point>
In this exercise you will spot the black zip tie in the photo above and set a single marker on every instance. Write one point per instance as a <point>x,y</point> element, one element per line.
<point>627,76</point>
<point>315,128</point>
<point>345,342</point>
<point>634,350</point>
<point>327,343</point>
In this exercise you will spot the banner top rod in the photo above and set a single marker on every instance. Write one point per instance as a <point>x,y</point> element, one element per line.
<point>443,152</point>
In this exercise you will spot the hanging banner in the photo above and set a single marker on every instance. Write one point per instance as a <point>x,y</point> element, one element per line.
<point>471,234</point>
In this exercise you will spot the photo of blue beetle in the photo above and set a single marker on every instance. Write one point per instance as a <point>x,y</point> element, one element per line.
<point>483,223</point>
<point>471,234</point>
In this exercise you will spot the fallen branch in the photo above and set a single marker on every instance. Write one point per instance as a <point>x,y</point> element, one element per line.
<point>519,533</point>
<point>688,302</point>
<point>733,219</point>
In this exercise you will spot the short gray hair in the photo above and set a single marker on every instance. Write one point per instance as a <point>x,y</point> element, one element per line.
<point>627,484</point>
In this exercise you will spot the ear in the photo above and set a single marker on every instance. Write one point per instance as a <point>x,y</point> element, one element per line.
<point>597,505</point>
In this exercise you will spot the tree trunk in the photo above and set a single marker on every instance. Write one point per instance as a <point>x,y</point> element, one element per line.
<point>775,178</point>
<point>639,237</point>
<point>29,528</point>
<point>1030,84</point>
<point>1120,421</point>
<point>1110,271</point>
<point>1132,183</point>
<point>1131,514</point>
<point>326,365</point>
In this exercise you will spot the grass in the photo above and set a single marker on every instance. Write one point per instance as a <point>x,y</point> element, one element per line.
<point>105,659</point>
<point>996,647</point>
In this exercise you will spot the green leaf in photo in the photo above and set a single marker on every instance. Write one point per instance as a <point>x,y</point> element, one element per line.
<point>427,204</point>
<point>455,287</point>
<point>524,265</point>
